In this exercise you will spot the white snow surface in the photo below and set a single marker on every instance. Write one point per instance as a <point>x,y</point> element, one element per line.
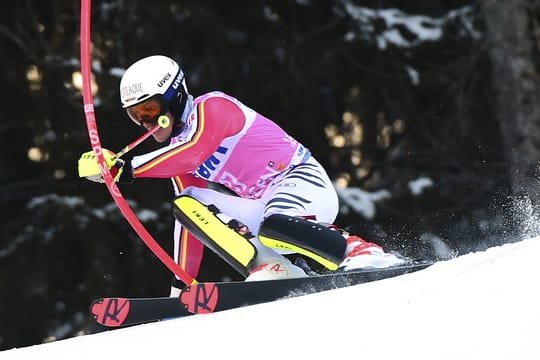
<point>483,305</point>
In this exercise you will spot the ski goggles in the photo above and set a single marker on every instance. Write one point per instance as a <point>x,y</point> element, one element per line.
<point>148,111</point>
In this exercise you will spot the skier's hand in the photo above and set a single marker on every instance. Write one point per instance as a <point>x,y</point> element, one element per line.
<point>89,168</point>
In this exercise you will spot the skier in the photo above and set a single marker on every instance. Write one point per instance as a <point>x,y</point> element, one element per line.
<point>281,199</point>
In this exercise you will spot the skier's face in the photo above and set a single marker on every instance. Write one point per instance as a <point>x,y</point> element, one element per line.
<point>147,113</point>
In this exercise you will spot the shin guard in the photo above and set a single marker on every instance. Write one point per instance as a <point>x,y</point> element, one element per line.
<point>313,240</point>
<point>225,236</point>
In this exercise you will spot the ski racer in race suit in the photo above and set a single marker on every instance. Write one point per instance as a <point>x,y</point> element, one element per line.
<point>280,194</point>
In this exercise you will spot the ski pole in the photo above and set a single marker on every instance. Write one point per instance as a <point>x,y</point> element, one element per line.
<point>163,122</point>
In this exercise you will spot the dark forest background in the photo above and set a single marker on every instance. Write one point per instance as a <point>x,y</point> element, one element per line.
<point>380,102</point>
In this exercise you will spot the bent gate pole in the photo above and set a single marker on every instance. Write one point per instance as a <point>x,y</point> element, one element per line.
<point>88,102</point>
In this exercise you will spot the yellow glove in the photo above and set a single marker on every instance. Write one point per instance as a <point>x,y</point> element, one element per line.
<point>89,168</point>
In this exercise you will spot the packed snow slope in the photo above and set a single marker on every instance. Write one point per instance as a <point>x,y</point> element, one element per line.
<point>483,305</point>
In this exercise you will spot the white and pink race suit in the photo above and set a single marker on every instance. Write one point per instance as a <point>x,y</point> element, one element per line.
<point>225,142</point>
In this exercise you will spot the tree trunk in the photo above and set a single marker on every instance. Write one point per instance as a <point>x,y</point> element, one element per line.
<point>515,81</point>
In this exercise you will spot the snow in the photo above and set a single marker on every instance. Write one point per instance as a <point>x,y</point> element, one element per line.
<point>360,201</point>
<point>482,305</point>
<point>365,203</point>
<point>419,29</point>
<point>417,186</point>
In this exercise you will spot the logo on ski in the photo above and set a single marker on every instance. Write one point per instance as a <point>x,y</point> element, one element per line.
<point>111,311</point>
<point>200,298</point>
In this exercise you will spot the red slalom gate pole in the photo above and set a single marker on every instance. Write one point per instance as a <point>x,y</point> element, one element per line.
<point>88,102</point>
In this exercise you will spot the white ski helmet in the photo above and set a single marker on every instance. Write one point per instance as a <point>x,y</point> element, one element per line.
<point>151,76</point>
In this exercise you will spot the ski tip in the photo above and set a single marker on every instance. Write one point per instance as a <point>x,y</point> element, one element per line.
<point>200,298</point>
<point>110,312</point>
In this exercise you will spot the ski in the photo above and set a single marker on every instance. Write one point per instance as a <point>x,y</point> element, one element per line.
<point>208,297</point>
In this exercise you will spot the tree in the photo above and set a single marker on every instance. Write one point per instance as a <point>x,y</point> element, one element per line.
<point>512,30</point>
